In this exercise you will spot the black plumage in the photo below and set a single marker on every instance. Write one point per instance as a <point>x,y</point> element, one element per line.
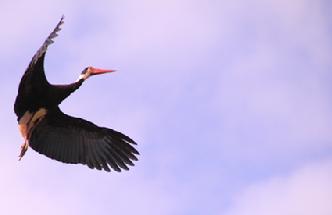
<point>62,137</point>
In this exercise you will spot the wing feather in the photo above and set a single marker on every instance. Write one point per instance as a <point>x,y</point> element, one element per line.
<point>110,160</point>
<point>49,40</point>
<point>75,140</point>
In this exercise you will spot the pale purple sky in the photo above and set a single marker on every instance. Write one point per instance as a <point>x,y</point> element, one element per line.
<point>229,101</point>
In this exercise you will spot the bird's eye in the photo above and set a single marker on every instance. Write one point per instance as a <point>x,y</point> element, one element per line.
<point>85,70</point>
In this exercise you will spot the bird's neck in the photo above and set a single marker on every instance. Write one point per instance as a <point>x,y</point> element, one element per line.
<point>60,92</point>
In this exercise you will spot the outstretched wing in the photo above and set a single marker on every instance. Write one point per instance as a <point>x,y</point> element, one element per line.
<point>34,80</point>
<point>49,40</point>
<point>74,140</point>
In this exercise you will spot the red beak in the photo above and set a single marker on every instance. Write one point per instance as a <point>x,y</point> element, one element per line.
<point>97,71</point>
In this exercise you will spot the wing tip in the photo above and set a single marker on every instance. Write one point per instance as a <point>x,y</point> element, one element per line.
<point>49,40</point>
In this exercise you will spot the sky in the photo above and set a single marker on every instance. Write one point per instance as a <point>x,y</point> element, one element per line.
<point>230,103</point>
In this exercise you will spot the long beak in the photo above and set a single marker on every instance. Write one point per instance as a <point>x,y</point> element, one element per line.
<point>97,71</point>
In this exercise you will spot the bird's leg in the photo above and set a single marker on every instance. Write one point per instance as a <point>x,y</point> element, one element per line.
<point>23,126</point>
<point>24,148</point>
<point>27,124</point>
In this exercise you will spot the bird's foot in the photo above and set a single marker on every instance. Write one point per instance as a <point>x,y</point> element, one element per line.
<point>24,148</point>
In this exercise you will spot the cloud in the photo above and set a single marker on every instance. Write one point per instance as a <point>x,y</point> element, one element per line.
<point>307,190</point>
<point>19,195</point>
<point>273,98</point>
<point>218,95</point>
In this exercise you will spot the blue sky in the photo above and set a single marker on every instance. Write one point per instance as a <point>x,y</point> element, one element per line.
<point>230,103</point>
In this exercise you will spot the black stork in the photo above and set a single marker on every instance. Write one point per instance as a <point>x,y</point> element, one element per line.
<point>47,130</point>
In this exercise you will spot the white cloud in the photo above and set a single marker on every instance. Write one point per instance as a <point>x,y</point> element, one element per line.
<point>274,97</point>
<point>306,191</point>
<point>38,185</point>
<point>268,104</point>
<point>20,195</point>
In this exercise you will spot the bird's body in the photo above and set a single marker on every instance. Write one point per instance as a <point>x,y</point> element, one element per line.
<point>49,131</point>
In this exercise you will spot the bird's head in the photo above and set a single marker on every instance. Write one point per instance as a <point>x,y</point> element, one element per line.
<point>89,71</point>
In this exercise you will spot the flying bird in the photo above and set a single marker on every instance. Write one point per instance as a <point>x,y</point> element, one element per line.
<point>49,131</point>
